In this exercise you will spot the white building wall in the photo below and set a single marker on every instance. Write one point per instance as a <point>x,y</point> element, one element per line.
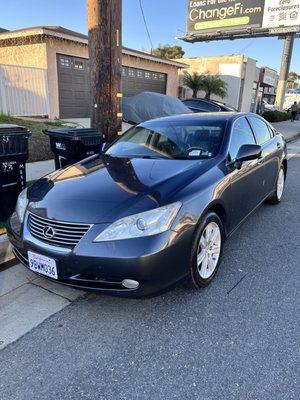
<point>232,75</point>
<point>249,79</point>
<point>23,91</point>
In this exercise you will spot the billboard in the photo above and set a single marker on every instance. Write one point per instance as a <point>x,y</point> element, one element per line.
<point>221,19</point>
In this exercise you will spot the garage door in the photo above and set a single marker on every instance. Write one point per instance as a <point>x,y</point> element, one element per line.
<point>135,81</point>
<point>73,87</point>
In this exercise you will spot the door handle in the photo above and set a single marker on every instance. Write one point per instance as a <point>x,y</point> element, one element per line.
<point>278,145</point>
<point>260,160</point>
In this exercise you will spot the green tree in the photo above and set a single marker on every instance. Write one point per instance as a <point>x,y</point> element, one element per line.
<point>193,81</point>
<point>168,51</point>
<point>213,84</point>
<point>210,84</point>
<point>292,80</point>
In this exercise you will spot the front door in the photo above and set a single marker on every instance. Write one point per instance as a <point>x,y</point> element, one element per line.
<point>272,150</point>
<point>247,189</point>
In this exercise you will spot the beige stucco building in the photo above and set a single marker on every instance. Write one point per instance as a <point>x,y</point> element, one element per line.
<point>63,56</point>
<point>239,72</point>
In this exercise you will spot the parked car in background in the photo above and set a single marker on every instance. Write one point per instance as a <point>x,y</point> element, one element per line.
<point>269,107</point>
<point>202,105</point>
<point>155,208</point>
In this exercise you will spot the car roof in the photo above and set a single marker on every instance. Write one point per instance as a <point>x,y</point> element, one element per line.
<point>212,102</point>
<point>200,117</point>
<point>204,100</point>
<point>198,98</point>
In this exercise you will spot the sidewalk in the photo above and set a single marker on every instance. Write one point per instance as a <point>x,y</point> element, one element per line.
<point>26,300</point>
<point>38,169</point>
<point>290,130</point>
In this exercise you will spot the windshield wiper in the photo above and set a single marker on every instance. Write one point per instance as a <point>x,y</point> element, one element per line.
<point>147,157</point>
<point>153,157</point>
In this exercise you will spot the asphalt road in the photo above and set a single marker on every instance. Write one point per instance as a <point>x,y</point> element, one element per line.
<point>237,339</point>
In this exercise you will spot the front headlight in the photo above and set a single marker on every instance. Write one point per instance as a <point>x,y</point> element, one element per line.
<point>21,205</point>
<point>148,223</point>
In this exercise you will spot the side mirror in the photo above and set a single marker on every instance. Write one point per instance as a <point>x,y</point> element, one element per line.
<point>247,152</point>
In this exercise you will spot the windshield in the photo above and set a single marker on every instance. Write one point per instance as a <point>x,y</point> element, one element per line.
<point>225,105</point>
<point>164,139</point>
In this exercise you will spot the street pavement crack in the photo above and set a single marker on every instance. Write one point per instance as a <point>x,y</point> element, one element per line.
<point>50,291</point>
<point>238,282</point>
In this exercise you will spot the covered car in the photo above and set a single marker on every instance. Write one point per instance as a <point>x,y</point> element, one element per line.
<point>150,105</point>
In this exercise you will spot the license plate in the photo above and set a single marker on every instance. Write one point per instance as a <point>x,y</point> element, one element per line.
<point>42,264</point>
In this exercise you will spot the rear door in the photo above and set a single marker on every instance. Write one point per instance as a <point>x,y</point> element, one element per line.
<point>272,150</point>
<point>246,183</point>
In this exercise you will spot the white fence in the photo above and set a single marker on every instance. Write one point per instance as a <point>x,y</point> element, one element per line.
<point>23,91</point>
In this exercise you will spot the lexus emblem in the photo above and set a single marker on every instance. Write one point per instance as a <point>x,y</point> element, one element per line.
<point>49,232</point>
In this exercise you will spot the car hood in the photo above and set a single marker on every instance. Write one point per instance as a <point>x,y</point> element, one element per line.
<point>103,189</point>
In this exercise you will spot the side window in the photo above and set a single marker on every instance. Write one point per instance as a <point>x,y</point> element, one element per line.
<point>241,134</point>
<point>272,132</point>
<point>261,130</point>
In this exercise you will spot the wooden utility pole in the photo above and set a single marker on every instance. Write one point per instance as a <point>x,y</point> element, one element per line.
<point>285,69</point>
<point>105,54</point>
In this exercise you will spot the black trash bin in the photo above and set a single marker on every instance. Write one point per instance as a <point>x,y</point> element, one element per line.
<point>72,145</point>
<point>13,157</point>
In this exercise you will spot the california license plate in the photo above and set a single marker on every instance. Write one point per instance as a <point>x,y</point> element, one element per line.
<point>42,264</point>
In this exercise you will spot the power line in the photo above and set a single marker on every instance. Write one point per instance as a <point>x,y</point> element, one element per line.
<point>146,25</point>
<point>247,46</point>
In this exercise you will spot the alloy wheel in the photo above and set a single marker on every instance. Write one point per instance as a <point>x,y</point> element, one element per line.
<point>209,250</point>
<point>280,184</point>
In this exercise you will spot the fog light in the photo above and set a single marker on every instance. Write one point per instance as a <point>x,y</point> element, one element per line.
<point>130,284</point>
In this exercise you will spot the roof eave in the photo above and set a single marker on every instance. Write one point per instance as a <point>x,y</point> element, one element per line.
<point>150,57</point>
<point>59,35</point>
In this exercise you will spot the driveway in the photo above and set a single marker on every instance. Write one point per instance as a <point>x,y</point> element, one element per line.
<point>237,339</point>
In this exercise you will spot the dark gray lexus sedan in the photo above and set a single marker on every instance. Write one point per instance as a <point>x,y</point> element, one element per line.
<point>155,208</point>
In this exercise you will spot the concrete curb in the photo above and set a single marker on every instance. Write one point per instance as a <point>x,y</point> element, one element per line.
<point>6,253</point>
<point>291,139</point>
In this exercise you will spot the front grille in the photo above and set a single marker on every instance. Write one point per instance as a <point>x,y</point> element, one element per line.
<point>57,232</point>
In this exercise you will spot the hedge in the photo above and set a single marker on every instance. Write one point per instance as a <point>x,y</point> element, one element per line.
<point>276,116</point>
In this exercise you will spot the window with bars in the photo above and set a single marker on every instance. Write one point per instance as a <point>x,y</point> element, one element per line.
<point>65,62</point>
<point>78,64</point>
<point>131,72</point>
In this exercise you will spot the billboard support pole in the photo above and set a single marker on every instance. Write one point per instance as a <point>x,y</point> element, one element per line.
<point>285,69</point>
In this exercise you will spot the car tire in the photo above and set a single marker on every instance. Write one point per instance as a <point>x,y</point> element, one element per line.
<point>277,196</point>
<point>210,252</point>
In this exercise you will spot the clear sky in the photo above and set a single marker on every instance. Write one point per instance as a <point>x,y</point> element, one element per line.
<point>166,19</point>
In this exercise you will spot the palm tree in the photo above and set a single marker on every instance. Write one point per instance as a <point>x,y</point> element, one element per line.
<point>210,84</point>
<point>193,81</point>
<point>213,84</point>
<point>292,80</point>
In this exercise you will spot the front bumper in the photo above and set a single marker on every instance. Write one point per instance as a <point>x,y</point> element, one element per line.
<point>155,262</point>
